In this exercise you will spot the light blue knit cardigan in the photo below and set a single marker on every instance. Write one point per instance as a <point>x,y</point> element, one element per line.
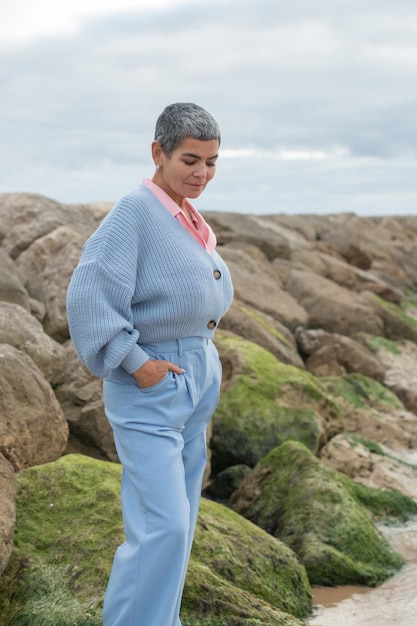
<point>142,279</point>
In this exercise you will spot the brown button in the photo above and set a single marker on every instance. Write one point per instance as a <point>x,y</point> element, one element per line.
<point>217,274</point>
<point>211,324</point>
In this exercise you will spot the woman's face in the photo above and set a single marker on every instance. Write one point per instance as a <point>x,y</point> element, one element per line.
<point>187,171</point>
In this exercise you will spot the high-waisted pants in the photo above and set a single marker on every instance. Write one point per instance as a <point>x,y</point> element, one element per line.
<point>160,437</point>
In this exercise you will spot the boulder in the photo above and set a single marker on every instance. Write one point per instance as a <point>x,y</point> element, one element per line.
<point>332,307</point>
<point>33,428</point>
<point>80,395</point>
<point>340,271</point>
<point>398,358</point>
<point>370,464</point>
<point>295,497</point>
<point>12,288</point>
<point>372,411</point>
<point>257,285</point>
<point>26,217</point>
<point>264,403</point>
<point>262,329</point>
<point>23,331</point>
<point>331,354</point>
<point>274,239</point>
<point>48,264</point>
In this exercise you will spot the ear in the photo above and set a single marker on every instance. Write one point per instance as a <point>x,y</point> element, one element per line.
<point>157,153</point>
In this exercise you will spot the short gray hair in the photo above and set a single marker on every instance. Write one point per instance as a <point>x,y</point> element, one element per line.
<point>184,120</point>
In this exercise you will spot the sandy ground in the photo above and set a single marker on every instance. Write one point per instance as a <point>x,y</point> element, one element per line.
<point>394,603</point>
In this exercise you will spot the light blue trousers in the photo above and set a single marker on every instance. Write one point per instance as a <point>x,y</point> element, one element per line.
<point>160,436</point>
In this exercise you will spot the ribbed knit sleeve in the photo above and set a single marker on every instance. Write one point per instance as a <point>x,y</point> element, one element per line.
<point>99,296</point>
<point>100,320</point>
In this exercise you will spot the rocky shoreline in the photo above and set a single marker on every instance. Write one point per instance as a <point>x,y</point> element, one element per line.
<point>313,445</point>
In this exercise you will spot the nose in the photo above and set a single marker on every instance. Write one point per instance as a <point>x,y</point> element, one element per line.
<point>200,171</point>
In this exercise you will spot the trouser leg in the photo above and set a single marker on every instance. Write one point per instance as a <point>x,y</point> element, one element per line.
<point>156,520</point>
<point>194,458</point>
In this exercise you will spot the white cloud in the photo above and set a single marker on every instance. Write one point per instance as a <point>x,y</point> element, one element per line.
<point>299,154</point>
<point>25,19</point>
<point>316,101</point>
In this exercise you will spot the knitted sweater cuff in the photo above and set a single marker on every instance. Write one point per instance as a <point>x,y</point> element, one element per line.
<point>135,359</point>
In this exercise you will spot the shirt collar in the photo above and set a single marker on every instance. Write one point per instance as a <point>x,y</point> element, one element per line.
<point>163,197</point>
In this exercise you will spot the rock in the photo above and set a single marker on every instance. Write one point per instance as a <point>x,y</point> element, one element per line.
<point>373,411</point>
<point>263,232</point>
<point>264,330</point>
<point>335,268</point>
<point>33,428</point>
<point>23,331</point>
<point>237,571</point>
<point>295,497</point>
<point>11,285</point>
<point>81,398</point>
<point>396,323</point>
<point>263,403</point>
<point>252,280</point>
<point>27,217</point>
<point>331,354</point>
<point>226,482</point>
<point>48,264</point>
<point>365,462</point>
<point>7,510</point>
<point>398,358</point>
<point>331,307</point>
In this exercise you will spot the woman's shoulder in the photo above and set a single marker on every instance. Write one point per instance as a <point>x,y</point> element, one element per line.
<point>138,201</point>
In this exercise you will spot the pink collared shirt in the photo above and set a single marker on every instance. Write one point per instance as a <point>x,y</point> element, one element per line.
<point>199,229</point>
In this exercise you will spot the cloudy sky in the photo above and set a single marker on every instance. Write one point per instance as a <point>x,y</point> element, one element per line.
<point>317,101</point>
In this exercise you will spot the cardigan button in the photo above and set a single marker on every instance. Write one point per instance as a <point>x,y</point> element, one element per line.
<point>212,324</point>
<point>217,274</point>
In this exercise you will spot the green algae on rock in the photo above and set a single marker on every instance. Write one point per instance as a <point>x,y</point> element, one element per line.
<point>385,505</point>
<point>243,557</point>
<point>361,391</point>
<point>297,498</point>
<point>264,403</point>
<point>69,524</point>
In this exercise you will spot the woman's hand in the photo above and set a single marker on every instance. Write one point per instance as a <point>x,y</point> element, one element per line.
<point>154,371</point>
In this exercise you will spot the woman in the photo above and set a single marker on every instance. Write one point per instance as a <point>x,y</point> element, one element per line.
<point>143,305</point>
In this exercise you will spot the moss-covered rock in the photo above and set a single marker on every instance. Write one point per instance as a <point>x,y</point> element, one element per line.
<point>235,567</point>
<point>385,505</point>
<point>225,483</point>
<point>295,497</point>
<point>69,525</point>
<point>399,322</point>
<point>264,403</point>
<point>361,392</point>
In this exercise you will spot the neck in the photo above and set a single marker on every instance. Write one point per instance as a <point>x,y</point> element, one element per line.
<point>158,180</point>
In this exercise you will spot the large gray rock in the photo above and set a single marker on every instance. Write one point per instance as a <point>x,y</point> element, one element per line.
<point>27,217</point>
<point>384,470</point>
<point>23,331</point>
<point>258,285</point>
<point>80,396</point>
<point>12,288</point>
<point>47,265</point>
<point>33,428</point>
<point>264,232</point>
<point>330,354</point>
<point>332,307</point>
<point>399,361</point>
